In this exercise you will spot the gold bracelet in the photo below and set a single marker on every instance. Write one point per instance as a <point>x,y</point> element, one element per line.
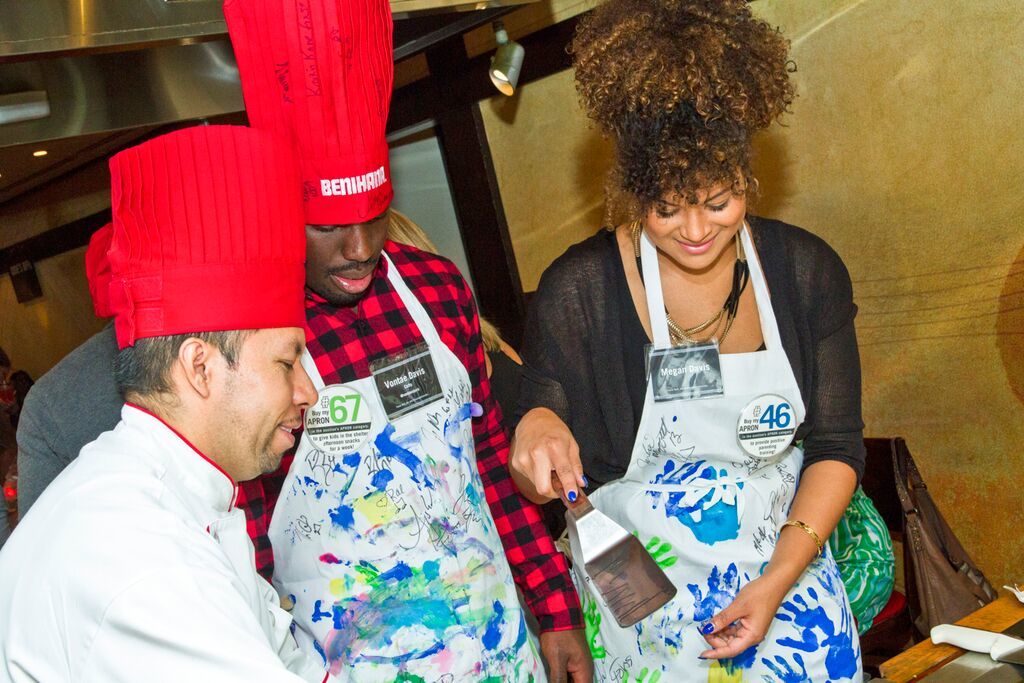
<point>807,530</point>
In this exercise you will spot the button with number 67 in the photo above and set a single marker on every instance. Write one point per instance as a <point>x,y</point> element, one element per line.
<point>340,421</point>
<point>766,426</point>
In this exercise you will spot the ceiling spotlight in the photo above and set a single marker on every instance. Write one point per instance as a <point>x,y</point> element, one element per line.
<point>39,153</point>
<point>506,62</point>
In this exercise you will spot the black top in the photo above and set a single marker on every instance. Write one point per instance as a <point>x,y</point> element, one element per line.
<point>583,347</point>
<point>634,337</point>
<point>505,378</point>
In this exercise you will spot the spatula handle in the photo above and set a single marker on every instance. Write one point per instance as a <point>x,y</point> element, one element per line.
<point>581,507</point>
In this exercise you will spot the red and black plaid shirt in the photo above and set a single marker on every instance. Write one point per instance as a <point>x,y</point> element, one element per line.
<point>250,499</point>
<point>344,341</point>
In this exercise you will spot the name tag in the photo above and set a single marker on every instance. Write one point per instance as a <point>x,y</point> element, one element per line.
<point>685,373</point>
<point>407,381</point>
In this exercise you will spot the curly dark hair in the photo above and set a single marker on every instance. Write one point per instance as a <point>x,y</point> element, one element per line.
<point>680,85</point>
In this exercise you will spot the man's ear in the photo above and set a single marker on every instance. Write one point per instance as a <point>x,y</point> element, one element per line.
<point>197,364</point>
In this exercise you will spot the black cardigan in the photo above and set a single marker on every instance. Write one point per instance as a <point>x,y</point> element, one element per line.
<point>575,356</point>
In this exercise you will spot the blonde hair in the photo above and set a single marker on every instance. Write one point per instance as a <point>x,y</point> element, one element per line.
<point>402,229</point>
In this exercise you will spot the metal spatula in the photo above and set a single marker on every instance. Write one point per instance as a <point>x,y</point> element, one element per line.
<point>627,577</point>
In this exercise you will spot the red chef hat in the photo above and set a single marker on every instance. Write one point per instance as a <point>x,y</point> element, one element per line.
<point>322,72</point>
<point>208,234</point>
<point>97,270</point>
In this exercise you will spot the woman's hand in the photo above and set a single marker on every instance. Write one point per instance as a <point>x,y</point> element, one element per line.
<point>745,621</point>
<point>543,444</point>
<point>824,492</point>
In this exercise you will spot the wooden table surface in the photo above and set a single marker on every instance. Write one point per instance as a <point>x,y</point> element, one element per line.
<point>925,657</point>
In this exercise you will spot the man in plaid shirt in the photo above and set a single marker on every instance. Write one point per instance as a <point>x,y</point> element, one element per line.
<point>323,76</point>
<point>355,317</point>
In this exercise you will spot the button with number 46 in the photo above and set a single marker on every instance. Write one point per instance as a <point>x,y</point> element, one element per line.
<point>766,426</point>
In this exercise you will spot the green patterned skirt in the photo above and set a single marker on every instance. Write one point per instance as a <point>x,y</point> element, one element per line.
<point>863,550</point>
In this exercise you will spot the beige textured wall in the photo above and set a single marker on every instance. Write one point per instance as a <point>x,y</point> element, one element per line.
<point>550,165</point>
<point>904,151</point>
<point>39,333</point>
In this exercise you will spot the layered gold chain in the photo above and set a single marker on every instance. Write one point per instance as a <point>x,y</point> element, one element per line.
<point>719,324</point>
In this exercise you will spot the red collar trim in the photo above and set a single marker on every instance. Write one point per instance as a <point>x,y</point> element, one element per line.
<point>188,443</point>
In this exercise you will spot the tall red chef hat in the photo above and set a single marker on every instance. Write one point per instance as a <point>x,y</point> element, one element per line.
<point>208,234</point>
<point>322,71</point>
<point>97,270</point>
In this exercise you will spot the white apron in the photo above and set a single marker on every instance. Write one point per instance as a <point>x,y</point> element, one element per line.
<point>710,514</point>
<point>387,545</point>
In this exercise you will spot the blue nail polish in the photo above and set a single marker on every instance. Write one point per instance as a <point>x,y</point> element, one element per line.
<point>475,409</point>
<point>584,478</point>
<point>707,628</point>
<point>571,496</point>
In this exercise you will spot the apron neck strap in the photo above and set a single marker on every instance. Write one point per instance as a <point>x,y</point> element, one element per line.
<point>765,311</point>
<point>309,365</point>
<point>412,305</point>
<point>655,295</point>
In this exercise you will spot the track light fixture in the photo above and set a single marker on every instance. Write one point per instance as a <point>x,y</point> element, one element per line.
<point>506,62</point>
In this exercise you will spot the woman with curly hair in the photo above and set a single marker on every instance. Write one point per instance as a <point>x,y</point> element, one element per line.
<point>695,370</point>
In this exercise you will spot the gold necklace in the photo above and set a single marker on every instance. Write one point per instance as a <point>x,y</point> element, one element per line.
<point>719,322</point>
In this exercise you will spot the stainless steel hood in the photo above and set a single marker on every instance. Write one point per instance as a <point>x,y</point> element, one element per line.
<point>113,91</point>
<point>33,28</point>
<point>30,29</point>
<point>106,65</point>
<point>104,68</point>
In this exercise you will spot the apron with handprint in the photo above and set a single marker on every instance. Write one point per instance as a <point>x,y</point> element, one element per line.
<point>709,511</point>
<point>382,536</point>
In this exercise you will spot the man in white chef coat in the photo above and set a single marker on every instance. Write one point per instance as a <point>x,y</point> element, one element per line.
<point>135,565</point>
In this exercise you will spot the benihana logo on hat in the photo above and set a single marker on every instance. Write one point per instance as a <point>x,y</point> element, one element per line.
<point>341,187</point>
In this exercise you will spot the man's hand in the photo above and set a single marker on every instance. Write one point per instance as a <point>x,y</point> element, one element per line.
<point>567,656</point>
<point>544,458</point>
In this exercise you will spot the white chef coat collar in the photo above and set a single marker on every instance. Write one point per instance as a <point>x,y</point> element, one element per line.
<point>197,471</point>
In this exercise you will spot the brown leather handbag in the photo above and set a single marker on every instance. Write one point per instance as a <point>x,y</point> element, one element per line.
<point>948,584</point>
